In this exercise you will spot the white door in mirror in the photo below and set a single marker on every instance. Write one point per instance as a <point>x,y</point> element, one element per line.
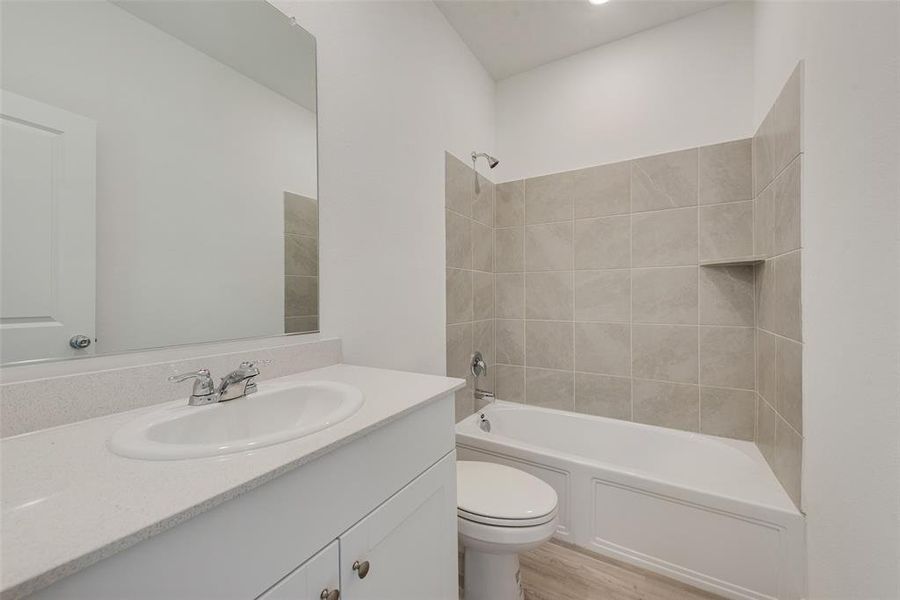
<point>48,188</point>
<point>276,413</point>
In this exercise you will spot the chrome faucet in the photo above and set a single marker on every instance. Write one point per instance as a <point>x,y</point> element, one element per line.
<point>237,384</point>
<point>479,368</point>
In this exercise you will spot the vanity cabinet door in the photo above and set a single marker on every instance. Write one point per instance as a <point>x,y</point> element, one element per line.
<point>406,548</point>
<point>313,580</point>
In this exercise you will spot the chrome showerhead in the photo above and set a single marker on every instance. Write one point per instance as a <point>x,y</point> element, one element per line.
<point>492,162</point>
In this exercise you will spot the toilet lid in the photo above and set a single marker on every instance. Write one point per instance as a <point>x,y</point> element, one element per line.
<point>502,493</point>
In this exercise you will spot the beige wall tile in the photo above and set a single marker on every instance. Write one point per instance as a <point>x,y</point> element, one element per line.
<point>663,239</point>
<point>548,344</point>
<point>763,230</point>
<point>459,185</point>
<point>549,295</point>
<point>765,365</point>
<point>603,396</point>
<point>482,247</point>
<point>778,139</point>
<point>664,295</point>
<point>509,250</point>
<point>786,303</point>
<point>482,296</point>
<point>509,295</point>
<point>788,459</point>
<point>549,198</point>
<point>766,420</point>
<point>726,230</point>
<point>459,241</point>
<point>664,352</point>
<point>726,412</point>
<point>726,173</point>
<point>726,296</point>
<point>509,204</point>
<point>603,191</point>
<point>301,255</point>
<point>727,357</point>
<point>510,340</point>
<point>548,247</point>
<point>785,222</point>
<point>664,181</point>
<point>550,389</point>
<point>301,296</point>
<point>666,404</point>
<point>464,404</point>
<point>789,382</point>
<point>459,349</point>
<point>301,324</point>
<point>603,243</point>
<point>509,383</point>
<point>301,215</point>
<point>459,296</point>
<point>603,295</point>
<point>603,348</point>
<point>483,201</point>
<point>765,295</point>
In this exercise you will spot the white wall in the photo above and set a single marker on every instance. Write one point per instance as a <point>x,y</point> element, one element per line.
<point>397,87</point>
<point>193,159</point>
<point>684,84</point>
<point>851,281</point>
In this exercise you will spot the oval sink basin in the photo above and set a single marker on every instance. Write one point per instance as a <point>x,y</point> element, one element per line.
<point>276,413</point>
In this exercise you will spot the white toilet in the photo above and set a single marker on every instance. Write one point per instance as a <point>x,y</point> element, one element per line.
<point>501,512</point>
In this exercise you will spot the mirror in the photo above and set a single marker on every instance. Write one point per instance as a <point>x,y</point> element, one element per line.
<point>158,175</point>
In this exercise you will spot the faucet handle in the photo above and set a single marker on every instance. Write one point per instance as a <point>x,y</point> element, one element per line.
<point>203,386</point>
<point>478,366</point>
<point>254,364</point>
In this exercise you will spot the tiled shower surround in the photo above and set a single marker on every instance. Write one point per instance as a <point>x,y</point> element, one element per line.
<point>633,290</point>
<point>777,169</point>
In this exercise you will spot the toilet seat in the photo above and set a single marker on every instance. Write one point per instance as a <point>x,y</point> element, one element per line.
<point>500,522</point>
<point>501,496</point>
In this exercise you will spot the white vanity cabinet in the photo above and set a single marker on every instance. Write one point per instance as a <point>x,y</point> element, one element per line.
<point>406,545</point>
<point>402,550</point>
<point>386,497</point>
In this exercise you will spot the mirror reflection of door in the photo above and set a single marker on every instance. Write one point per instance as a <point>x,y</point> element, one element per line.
<point>47,304</point>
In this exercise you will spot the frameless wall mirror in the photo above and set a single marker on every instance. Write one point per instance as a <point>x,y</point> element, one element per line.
<point>158,175</point>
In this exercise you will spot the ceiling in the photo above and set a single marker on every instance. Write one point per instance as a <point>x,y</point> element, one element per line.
<point>513,36</point>
<point>230,32</point>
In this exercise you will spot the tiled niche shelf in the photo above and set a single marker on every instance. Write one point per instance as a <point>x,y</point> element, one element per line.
<point>733,262</point>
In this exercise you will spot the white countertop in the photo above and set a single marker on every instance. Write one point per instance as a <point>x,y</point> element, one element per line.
<point>67,501</point>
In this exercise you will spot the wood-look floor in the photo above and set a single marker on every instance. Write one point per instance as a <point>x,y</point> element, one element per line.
<point>559,572</point>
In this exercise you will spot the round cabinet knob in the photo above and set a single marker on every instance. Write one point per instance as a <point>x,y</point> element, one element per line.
<point>361,568</point>
<point>79,342</point>
<point>330,594</point>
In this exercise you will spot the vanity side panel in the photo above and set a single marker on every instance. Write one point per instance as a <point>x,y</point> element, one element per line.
<point>239,549</point>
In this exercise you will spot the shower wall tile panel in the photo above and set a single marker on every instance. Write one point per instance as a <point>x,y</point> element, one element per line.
<point>777,176</point>
<point>470,283</point>
<point>611,302</point>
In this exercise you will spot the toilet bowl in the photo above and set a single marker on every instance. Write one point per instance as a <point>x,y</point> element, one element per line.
<point>501,512</point>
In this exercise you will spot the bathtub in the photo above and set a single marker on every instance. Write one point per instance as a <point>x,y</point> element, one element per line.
<point>704,510</point>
